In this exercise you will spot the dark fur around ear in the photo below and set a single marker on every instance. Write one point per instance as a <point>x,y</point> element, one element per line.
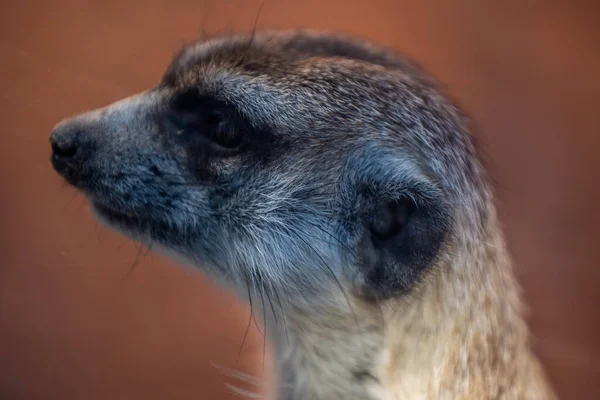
<point>392,263</point>
<point>402,225</point>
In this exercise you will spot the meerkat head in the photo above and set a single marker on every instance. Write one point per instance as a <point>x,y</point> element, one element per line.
<point>297,160</point>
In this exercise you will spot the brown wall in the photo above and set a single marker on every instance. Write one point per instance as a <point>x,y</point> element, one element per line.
<point>74,325</point>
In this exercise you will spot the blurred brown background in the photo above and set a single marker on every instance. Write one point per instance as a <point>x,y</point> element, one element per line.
<point>75,325</point>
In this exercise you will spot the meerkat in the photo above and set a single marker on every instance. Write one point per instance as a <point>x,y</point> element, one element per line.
<point>333,184</point>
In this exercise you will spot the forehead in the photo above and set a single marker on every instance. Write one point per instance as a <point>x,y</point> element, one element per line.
<point>299,81</point>
<point>226,53</point>
<point>271,52</point>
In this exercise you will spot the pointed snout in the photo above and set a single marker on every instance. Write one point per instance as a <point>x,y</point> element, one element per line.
<point>121,125</point>
<point>69,148</point>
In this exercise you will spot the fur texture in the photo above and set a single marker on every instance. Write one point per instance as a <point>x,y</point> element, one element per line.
<point>333,184</point>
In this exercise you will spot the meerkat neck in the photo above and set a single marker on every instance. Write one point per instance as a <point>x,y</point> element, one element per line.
<point>460,335</point>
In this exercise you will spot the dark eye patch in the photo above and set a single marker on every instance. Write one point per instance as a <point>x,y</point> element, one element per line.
<point>215,135</point>
<point>192,100</point>
<point>196,117</point>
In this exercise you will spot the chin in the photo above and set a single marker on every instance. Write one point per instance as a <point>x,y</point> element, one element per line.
<point>124,224</point>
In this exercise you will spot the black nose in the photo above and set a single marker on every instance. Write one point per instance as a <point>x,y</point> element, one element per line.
<point>66,151</point>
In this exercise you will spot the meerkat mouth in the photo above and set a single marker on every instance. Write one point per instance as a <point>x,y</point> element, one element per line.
<point>135,226</point>
<point>115,217</point>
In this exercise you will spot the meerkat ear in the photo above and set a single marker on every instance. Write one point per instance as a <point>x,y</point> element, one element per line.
<point>402,241</point>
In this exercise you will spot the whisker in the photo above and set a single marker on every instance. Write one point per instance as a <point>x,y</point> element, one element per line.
<point>271,304</point>
<point>282,313</point>
<point>262,297</point>
<point>126,241</point>
<point>254,318</point>
<point>207,39</point>
<point>71,200</point>
<point>253,35</point>
<point>135,262</point>
<point>249,318</point>
<point>332,236</point>
<point>204,19</point>
<point>334,276</point>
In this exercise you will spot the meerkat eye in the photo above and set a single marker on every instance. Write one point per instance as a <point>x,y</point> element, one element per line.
<point>195,117</point>
<point>222,133</point>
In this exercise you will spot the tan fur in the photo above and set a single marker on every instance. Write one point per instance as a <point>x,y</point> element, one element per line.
<point>464,338</point>
<point>460,335</point>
